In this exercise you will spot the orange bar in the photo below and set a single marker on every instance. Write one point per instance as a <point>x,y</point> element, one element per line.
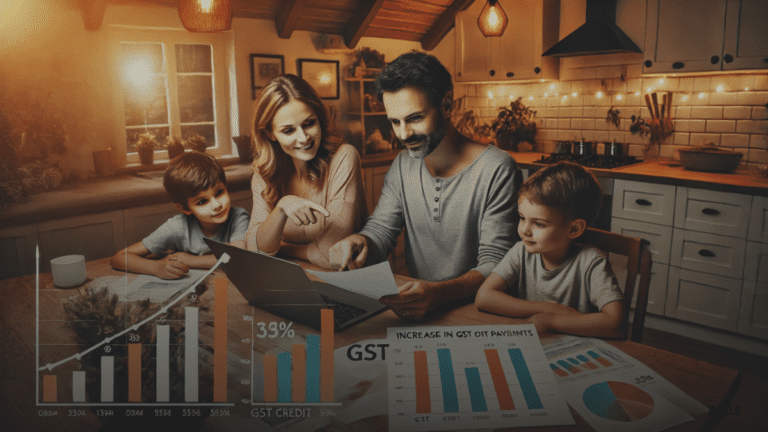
<point>499,382</point>
<point>270,378</point>
<point>49,388</point>
<point>299,380</point>
<point>326,355</point>
<point>220,341</point>
<point>134,372</point>
<point>604,362</point>
<point>423,402</point>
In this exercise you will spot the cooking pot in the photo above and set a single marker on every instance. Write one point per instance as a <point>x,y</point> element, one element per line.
<point>709,158</point>
<point>563,147</point>
<point>582,148</point>
<point>614,149</point>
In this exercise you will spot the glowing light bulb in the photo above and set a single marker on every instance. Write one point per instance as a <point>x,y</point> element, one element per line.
<point>746,88</point>
<point>599,94</point>
<point>551,86</point>
<point>490,95</point>
<point>685,97</point>
<point>661,80</point>
<point>530,97</point>
<point>511,96</point>
<point>619,97</point>
<point>720,88</point>
<point>205,5</point>
<point>565,97</point>
<point>637,93</point>
<point>701,95</point>
<point>648,90</point>
<point>546,94</point>
<point>574,94</point>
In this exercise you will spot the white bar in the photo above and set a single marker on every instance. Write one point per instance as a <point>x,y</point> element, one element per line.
<point>107,379</point>
<point>191,376</point>
<point>78,386</point>
<point>163,363</point>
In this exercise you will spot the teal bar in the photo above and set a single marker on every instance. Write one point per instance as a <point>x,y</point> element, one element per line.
<point>448,381</point>
<point>313,368</point>
<point>476,394</point>
<point>284,377</point>
<point>524,378</point>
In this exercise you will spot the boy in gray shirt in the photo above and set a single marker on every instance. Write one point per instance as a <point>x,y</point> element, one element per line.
<point>198,187</point>
<point>559,285</point>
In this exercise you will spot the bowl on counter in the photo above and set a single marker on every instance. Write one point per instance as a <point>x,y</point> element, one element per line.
<point>709,158</point>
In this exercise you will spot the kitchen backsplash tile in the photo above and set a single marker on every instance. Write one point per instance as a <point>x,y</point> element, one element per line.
<point>729,110</point>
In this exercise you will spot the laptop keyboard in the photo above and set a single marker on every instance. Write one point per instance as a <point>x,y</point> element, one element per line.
<point>342,312</point>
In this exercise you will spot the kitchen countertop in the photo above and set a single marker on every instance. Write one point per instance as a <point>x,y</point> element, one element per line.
<point>135,190</point>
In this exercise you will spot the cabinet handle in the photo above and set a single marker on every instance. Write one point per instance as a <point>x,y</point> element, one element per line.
<point>648,63</point>
<point>727,58</point>
<point>678,65</point>
<point>706,253</point>
<point>643,202</point>
<point>510,74</point>
<point>714,60</point>
<point>710,211</point>
<point>492,72</point>
<point>536,70</point>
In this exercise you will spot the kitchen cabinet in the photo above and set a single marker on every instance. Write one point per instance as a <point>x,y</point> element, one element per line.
<point>516,55</point>
<point>753,317</point>
<point>366,116</point>
<point>705,35</point>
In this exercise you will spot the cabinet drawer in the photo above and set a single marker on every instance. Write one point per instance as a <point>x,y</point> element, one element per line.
<point>753,318</point>
<point>713,212</point>
<point>756,262</point>
<point>647,202</point>
<point>703,299</point>
<point>758,221</point>
<point>657,290</point>
<point>708,253</point>
<point>659,236</point>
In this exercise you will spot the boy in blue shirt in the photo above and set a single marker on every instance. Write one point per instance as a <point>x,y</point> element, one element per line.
<point>559,285</point>
<point>198,187</point>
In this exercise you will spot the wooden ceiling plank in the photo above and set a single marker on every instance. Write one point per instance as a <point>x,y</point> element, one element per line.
<point>93,13</point>
<point>288,17</point>
<point>359,23</point>
<point>393,34</point>
<point>443,25</point>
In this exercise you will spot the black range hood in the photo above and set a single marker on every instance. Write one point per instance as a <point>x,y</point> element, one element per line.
<point>599,35</point>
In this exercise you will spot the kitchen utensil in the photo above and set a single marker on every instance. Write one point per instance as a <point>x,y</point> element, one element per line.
<point>650,107</point>
<point>614,149</point>
<point>563,147</point>
<point>68,270</point>
<point>582,148</point>
<point>709,158</point>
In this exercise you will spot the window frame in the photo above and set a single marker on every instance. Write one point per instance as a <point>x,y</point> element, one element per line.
<point>221,46</point>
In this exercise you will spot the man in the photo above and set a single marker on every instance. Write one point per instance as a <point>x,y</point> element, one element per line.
<point>456,197</point>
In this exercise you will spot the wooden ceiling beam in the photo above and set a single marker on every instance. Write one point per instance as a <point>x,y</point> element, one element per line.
<point>288,17</point>
<point>93,13</point>
<point>443,25</point>
<point>359,23</point>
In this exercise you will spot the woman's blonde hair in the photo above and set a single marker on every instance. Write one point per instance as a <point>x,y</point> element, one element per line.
<point>270,161</point>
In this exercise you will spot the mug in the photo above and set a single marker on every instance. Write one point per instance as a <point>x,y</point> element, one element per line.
<point>68,270</point>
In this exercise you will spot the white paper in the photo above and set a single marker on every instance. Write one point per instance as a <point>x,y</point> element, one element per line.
<point>145,286</point>
<point>456,358</point>
<point>567,355</point>
<point>373,281</point>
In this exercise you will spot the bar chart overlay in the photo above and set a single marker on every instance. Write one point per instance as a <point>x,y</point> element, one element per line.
<point>443,378</point>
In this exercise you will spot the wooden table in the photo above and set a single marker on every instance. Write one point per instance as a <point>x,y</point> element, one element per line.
<point>712,385</point>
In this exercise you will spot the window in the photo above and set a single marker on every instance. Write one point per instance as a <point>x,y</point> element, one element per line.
<point>173,83</point>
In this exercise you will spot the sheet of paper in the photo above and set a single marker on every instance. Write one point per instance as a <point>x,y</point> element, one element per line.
<point>579,363</point>
<point>373,281</point>
<point>471,377</point>
<point>144,287</point>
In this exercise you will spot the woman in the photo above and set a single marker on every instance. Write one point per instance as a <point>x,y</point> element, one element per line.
<point>307,186</point>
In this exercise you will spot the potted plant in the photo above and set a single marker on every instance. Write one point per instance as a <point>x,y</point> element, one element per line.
<point>196,143</point>
<point>146,145</point>
<point>514,125</point>
<point>175,146</point>
<point>469,124</point>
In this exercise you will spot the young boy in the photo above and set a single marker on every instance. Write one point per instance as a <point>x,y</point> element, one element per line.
<point>559,285</point>
<point>198,187</point>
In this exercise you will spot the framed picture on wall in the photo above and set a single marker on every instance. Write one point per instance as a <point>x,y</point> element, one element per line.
<point>323,75</point>
<point>264,67</point>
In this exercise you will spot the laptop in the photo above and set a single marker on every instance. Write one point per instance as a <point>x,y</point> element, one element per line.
<point>283,288</point>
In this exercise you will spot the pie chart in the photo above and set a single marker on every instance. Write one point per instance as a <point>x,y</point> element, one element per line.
<point>618,401</point>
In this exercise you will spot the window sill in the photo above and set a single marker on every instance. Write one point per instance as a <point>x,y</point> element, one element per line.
<point>162,164</point>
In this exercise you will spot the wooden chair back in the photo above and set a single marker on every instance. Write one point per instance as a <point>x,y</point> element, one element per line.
<point>638,265</point>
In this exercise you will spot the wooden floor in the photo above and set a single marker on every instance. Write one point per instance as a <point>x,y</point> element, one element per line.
<point>749,410</point>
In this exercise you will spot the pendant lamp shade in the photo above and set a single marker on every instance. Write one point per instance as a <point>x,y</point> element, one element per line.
<point>206,16</point>
<point>492,20</point>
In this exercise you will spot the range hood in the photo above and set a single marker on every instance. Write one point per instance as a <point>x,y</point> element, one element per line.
<point>599,35</point>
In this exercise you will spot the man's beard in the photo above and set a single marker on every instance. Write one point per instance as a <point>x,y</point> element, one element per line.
<point>431,141</point>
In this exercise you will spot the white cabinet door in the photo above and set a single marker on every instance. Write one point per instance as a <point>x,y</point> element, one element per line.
<point>703,298</point>
<point>684,35</point>
<point>746,35</point>
<point>753,318</point>
<point>708,253</point>
<point>713,212</point>
<point>659,237</point>
<point>657,290</point>
<point>758,221</point>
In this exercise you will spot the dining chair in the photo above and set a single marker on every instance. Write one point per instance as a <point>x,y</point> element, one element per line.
<point>638,265</point>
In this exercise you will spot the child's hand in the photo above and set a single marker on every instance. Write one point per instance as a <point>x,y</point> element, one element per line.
<point>171,268</point>
<point>560,309</point>
<point>181,257</point>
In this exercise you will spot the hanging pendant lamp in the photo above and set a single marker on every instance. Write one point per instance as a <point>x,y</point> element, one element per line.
<point>492,20</point>
<point>206,16</point>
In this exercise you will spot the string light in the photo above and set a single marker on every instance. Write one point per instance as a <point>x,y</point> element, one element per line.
<point>599,94</point>
<point>511,96</point>
<point>490,95</point>
<point>637,93</point>
<point>720,88</point>
<point>661,80</point>
<point>619,97</point>
<point>746,88</point>
<point>574,94</point>
<point>701,95</point>
<point>530,97</point>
